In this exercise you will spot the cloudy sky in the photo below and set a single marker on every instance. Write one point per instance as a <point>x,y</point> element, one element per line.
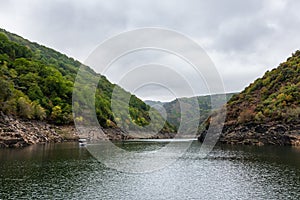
<point>242,38</point>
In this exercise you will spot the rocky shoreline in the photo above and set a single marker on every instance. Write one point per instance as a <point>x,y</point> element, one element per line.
<point>259,134</point>
<point>15,133</point>
<point>117,134</point>
<point>20,133</point>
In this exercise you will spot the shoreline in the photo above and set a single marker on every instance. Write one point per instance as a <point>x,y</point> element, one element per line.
<point>271,133</point>
<point>18,133</point>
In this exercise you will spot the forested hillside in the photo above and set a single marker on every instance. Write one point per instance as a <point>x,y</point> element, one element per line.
<point>274,97</point>
<point>36,82</point>
<point>268,110</point>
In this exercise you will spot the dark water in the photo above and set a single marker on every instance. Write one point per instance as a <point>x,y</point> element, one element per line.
<point>65,171</point>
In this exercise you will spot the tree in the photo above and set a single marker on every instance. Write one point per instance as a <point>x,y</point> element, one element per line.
<point>35,92</point>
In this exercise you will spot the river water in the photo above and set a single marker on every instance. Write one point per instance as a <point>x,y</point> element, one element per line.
<point>67,171</point>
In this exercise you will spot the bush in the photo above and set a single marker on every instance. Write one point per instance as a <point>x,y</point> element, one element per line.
<point>25,109</point>
<point>246,116</point>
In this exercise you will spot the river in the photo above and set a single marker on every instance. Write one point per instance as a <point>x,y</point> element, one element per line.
<point>67,171</point>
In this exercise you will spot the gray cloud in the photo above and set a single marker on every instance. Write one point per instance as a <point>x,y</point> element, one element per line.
<point>243,38</point>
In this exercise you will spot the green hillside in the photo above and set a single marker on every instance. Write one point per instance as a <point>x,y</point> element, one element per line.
<point>274,97</point>
<point>267,111</point>
<point>36,83</point>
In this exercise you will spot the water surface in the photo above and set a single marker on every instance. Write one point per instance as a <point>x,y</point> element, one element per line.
<point>66,171</point>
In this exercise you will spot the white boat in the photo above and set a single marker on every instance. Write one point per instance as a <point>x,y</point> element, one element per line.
<point>82,142</point>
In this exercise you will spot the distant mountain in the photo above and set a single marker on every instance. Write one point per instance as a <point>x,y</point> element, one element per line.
<point>268,110</point>
<point>172,109</point>
<point>151,103</point>
<point>36,83</point>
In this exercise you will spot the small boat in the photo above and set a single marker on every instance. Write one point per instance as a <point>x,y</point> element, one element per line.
<point>82,142</point>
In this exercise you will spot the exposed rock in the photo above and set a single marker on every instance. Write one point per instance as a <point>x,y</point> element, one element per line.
<point>18,133</point>
<point>115,134</point>
<point>274,133</point>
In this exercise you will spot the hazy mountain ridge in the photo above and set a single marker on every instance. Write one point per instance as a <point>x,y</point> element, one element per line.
<point>173,110</point>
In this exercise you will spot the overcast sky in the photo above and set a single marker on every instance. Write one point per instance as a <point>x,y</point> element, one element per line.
<point>243,38</point>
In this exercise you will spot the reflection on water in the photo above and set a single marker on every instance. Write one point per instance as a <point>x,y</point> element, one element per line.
<point>142,145</point>
<point>66,171</point>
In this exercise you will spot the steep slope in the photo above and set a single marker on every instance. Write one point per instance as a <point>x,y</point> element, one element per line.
<point>36,83</point>
<point>268,110</point>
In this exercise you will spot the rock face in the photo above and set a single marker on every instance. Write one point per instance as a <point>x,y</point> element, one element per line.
<point>259,134</point>
<point>17,133</point>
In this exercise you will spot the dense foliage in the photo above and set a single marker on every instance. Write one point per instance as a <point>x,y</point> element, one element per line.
<point>274,97</point>
<point>36,82</point>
